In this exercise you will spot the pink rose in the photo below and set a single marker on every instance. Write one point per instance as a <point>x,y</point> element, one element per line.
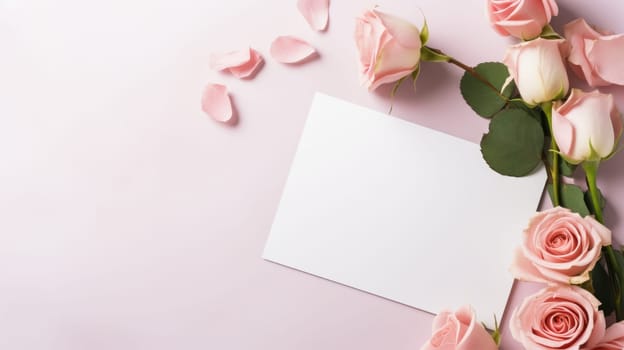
<point>537,68</point>
<point>613,339</point>
<point>388,46</point>
<point>459,331</point>
<point>595,56</point>
<point>558,317</point>
<point>523,19</point>
<point>587,127</point>
<point>559,246</point>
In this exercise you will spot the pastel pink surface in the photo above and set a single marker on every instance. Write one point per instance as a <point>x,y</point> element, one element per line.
<point>129,220</point>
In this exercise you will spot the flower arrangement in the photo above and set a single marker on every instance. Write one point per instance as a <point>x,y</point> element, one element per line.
<point>536,118</point>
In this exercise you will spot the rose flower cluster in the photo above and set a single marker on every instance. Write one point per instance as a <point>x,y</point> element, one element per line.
<point>567,248</point>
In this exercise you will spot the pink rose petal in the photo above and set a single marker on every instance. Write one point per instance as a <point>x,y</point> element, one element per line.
<point>315,12</point>
<point>288,49</point>
<point>246,69</point>
<point>607,55</point>
<point>241,63</point>
<point>229,59</point>
<point>216,102</point>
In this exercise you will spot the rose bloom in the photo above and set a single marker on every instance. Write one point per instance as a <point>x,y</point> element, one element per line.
<point>459,331</point>
<point>559,246</point>
<point>537,68</point>
<point>523,19</point>
<point>388,47</point>
<point>613,339</point>
<point>558,317</point>
<point>595,56</point>
<point>587,127</point>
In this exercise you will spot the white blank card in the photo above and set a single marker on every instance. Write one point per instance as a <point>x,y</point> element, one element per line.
<point>400,211</point>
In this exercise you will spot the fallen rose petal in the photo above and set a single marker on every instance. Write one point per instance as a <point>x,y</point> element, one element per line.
<point>315,12</point>
<point>288,49</point>
<point>248,68</point>
<point>607,56</point>
<point>216,102</point>
<point>229,59</point>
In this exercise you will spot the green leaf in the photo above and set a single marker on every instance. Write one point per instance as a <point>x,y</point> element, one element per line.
<point>432,55</point>
<point>513,146</point>
<point>549,33</point>
<point>590,204</point>
<point>496,335</point>
<point>534,112</point>
<point>619,280</point>
<point>571,197</point>
<point>424,33</point>
<point>486,97</point>
<point>566,168</point>
<point>602,288</point>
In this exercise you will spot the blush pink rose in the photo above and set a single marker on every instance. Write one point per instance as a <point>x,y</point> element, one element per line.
<point>559,246</point>
<point>613,339</point>
<point>523,19</point>
<point>587,127</point>
<point>558,317</point>
<point>459,331</point>
<point>538,68</point>
<point>594,56</point>
<point>388,47</point>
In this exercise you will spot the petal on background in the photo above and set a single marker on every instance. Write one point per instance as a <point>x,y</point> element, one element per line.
<point>248,68</point>
<point>221,61</point>
<point>216,102</point>
<point>315,12</point>
<point>288,49</point>
<point>607,57</point>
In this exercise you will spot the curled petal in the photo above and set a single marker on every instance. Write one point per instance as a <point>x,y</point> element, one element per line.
<point>216,102</point>
<point>607,55</point>
<point>242,63</point>
<point>315,12</point>
<point>288,49</point>
<point>221,61</point>
<point>248,68</point>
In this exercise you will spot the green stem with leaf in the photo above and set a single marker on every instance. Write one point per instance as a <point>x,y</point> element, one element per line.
<point>591,171</point>
<point>436,55</point>
<point>615,273</point>
<point>554,166</point>
<point>613,265</point>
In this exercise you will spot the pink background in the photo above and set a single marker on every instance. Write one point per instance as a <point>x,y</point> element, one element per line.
<point>130,220</point>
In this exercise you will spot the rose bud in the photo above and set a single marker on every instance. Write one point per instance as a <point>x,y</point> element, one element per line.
<point>587,127</point>
<point>388,47</point>
<point>537,68</point>
<point>459,330</point>
<point>523,19</point>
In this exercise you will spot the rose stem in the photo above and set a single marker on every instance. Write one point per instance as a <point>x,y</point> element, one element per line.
<point>591,170</point>
<point>554,167</point>
<point>470,70</point>
<point>474,73</point>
